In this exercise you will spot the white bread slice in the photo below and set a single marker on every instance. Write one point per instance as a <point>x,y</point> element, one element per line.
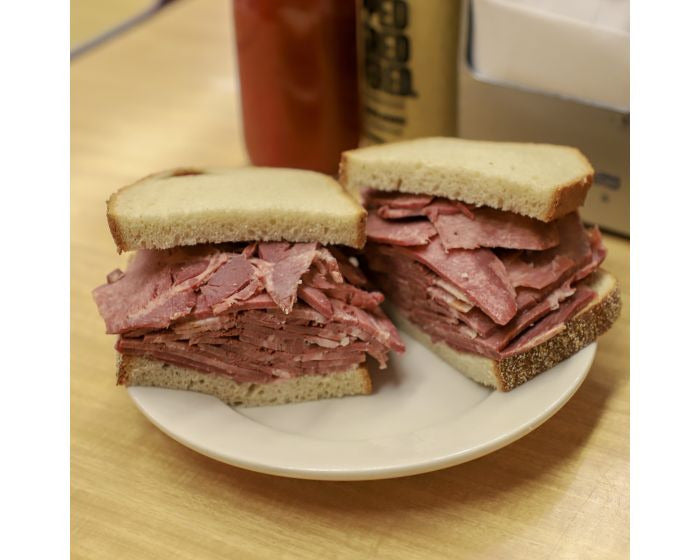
<point>504,375</point>
<point>190,206</point>
<point>543,181</point>
<point>135,370</point>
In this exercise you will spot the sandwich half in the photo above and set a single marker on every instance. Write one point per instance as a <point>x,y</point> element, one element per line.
<point>481,252</point>
<point>238,287</point>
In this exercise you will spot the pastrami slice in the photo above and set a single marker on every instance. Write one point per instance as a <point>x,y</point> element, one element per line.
<point>520,277</point>
<point>237,313</point>
<point>478,273</point>
<point>493,228</point>
<point>157,288</point>
<point>399,233</point>
<point>281,278</point>
<point>230,278</point>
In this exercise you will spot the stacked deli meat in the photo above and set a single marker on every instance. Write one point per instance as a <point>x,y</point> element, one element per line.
<point>480,280</point>
<point>254,312</point>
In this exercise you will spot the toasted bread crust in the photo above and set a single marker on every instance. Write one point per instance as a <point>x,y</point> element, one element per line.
<point>343,172</point>
<point>139,371</point>
<point>568,198</point>
<point>114,229</point>
<point>582,329</point>
<point>357,170</point>
<point>361,233</point>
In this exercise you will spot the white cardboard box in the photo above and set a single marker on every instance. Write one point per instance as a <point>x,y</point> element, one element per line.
<point>552,71</point>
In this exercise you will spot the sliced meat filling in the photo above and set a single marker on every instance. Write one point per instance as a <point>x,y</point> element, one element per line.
<point>405,233</point>
<point>161,286</point>
<point>254,313</point>
<point>485,281</point>
<point>487,227</point>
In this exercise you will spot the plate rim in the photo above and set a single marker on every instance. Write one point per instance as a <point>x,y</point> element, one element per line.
<point>439,462</point>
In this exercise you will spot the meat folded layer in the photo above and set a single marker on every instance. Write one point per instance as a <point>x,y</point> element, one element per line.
<point>480,280</point>
<point>254,312</point>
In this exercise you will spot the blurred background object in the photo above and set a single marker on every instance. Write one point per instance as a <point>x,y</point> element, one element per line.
<point>94,21</point>
<point>297,66</point>
<point>408,50</point>
<point>552,71</point>
<point>317,77</point>
<point>573,49</point>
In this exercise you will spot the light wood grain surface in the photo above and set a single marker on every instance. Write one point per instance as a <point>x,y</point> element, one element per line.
<point>91,18</point>
<point>163,95</point>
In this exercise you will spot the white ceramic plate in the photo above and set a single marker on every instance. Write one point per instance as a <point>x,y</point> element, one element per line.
<point>423,416</point>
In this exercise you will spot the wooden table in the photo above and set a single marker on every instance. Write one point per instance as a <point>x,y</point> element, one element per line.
<point>90,19</point>
<point>163,95</point>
